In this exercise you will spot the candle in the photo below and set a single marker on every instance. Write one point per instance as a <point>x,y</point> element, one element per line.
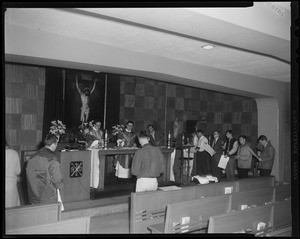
<point>106,134</point>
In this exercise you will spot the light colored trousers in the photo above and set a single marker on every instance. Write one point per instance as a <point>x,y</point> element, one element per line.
<point>146,184</point>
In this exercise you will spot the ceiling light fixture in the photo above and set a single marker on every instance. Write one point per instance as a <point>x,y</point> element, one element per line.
<point>208,47</point>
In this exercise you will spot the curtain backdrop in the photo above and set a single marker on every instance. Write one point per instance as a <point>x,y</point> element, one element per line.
<point>112,101</point>
<point>73,101</point>
<point>63,101</point>
<point>53,102</point>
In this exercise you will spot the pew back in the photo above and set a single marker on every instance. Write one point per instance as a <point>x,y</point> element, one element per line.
<point>246,199</point>
<point>193,215</point>
<point>241,221</point>
<point>247,184</point>
<point>32,215</point>
<point>282,214</point>
<point>148,208</point>
<point>282,192</point>
<point>69,226</point>
<point>216,189</point>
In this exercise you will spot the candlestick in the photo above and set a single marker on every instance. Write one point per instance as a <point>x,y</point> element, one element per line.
<point>169,140</point>
<point>105,139</point>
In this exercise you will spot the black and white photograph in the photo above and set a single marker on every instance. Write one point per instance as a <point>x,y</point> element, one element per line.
<point>150,118</point>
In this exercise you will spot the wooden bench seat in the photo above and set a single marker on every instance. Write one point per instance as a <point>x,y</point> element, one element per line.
<point>192,215</point>
<point>69,226</point>
<point>148,208</point>
<point>32,215</point>
<point>272,215</point>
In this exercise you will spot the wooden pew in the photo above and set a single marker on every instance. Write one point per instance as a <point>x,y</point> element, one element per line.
<point>191,216</point>
<point>216,189</point>
<point>247,184</point>
<point>207,207</point>
<point>69,226</point>
<point>32,215</point>
<point>283,192</point>
<point>243,221</point>
<point>282,214</point>
<point>282,232</point>
<point>253,198</point>
<point>276,216</point>
<point>148,208</point>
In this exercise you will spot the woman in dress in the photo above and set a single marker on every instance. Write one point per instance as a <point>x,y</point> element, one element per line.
<point>12,172</point>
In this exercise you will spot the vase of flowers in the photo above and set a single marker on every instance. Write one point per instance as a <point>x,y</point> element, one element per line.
<point>57,128</point>
<point>116,130</point>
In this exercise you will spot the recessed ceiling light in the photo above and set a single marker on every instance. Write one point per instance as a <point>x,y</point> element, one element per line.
<point>208,47</point>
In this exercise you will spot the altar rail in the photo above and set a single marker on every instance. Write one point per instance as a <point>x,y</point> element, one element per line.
<point>148,208</point>
<point>190,216</point>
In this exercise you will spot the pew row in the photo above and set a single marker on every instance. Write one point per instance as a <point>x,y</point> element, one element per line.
<point>259,220</point>
<point>148,208</point>
<point>32,215</point>
<point>193,216</point>
<point>69,226</point>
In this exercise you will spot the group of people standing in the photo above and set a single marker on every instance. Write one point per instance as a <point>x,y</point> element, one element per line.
<point>238,151</point>
<point>44,175</point>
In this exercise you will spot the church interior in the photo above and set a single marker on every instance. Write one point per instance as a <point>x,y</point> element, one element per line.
<point>209,67</point>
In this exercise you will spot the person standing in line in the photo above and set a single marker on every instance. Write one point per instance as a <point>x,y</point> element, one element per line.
<point>12,172</point>
<point>216,143</point>
<point>244,157</point>
<point>147,164</point>
<point>156,138</point>
<point>230,149</point>
<point>266,159</point>
<point>201,164</point>
<point>44,175</point>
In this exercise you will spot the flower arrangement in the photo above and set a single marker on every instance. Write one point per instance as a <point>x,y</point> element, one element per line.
<point>85,125</point>
<point>57,128</point>
<point>117,129</point>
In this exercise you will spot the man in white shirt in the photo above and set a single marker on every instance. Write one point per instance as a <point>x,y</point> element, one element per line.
<point>202,164</point>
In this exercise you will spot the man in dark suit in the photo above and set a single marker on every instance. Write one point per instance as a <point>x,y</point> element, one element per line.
<point>216,143</point>
<point>156,138</point>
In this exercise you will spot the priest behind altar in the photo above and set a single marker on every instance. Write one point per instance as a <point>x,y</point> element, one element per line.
<point>123,164</point>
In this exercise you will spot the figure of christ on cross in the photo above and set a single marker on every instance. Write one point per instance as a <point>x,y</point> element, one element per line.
<point>85,98</point>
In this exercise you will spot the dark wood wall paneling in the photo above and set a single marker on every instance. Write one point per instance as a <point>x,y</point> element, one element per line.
<point>141,100</point>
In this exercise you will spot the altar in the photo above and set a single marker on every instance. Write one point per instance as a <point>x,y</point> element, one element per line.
<point>76,170</point>
<point>98,164</point>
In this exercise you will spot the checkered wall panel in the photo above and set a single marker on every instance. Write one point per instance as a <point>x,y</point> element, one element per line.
<point>212,110</point>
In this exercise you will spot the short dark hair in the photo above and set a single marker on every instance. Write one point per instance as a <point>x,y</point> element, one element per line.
<point>229,132</point>
<point>150,125</point>
<point>129,122</point>
<point>50,139</point>
<point>143,134</point>
<point>199,131</point>
<point>262,137</point>
<point>243,136</point>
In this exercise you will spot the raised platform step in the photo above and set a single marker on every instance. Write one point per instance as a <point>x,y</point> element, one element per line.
<point>97,207</point>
